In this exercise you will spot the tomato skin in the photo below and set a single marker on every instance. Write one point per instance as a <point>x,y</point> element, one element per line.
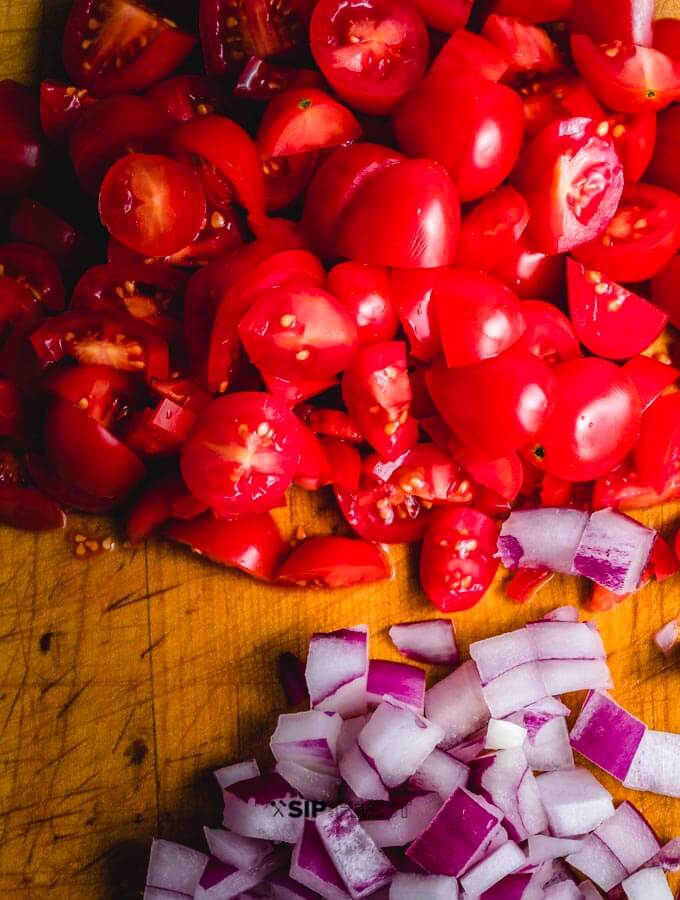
<point>381,511</point>
<point>22,149</point>
<point>491,229</point>
<point>445,16</point>
<point>103,392</point>
<point>544,11</point>
<point>90,65</point>
<point>160,431</point>
<point>629,21</point>
<point>28,509</point>
<point>412,290</point>
<point>12,413</point>
<point>262,80</point>
<point>61,107</point>
<point>525,584</point>
<point>302,119</point>
<point>503,474</point>
<point>657,451</point>
<point>184,97</point>
<point>469,53</point>
<point>286,177</point>
<point>666,37</point>
<point>33,223</point>
<point>640,240</point>
<point>153,506</point>
<point>334,562</point>
<point>479,145</point>
<point>663,169</point>
<point>530,273</point>
<point>634,137</point>
<point>529,48</point>
<point>366,294</point>
<point>609,320</point>
<point>252,544</point>
<point>548,99</point>
<point>497,405</point>
<point>479,317</point>
<point>457,563</point>
<point>549,334</point>
<point>573,155</point>
<point>594,424</point>
<point>650,377</point>
<point>664,293</point>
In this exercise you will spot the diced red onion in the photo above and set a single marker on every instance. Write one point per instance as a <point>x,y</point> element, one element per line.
<point>596,860</point>
<point>647,884</point>
<point>308,738</point>
<point>173,867</point>
<point>395,824</point>
<point>457,704</point>
<point>506,780</point>
<point>337,669</point>
<point>432,641</point>
<point>542,847</point>
<point>515,689</point>
<point>565,640</point>
<point>656,765</point>
<point>221,881</point>
<point>312,785</point>
<point>537,538</point>
<point>292,677</point>
<point>565,890</point>
<point>614,551</point>
<point>242,771</point>
<point>501,734</point>
<point>547,749</point>
<point>501,653</point>
<point>562,614</point>
<point>312,866</point>
<point>446,848</point>
<point>575,802</point>
<point>236,850</point>
<point>440,773</point>
<point>349,732</point>
<point>399,680</point>
<point>667,638</point>
<point>562,676</point>
<point>471,748</point>
<point>668,857</point>
<point>152,893</point>
<point>258,808</point>
<point>544,709</point>
<point>407,886</point>
<point>589,891</point>
<point>363,867</point>
<point>362,776</point>
<point>504,861</point>
<point>283,887</point>
<point>607,735</point>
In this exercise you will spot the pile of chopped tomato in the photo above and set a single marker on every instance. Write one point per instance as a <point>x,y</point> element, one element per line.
<point>416,253</point>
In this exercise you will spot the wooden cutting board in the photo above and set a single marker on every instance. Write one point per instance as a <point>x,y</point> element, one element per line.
<point>126,678</point>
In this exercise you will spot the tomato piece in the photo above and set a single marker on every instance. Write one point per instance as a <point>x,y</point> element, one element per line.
<point>332,423</point>
<point>547,100</point>
<point>313,469</point>
<point>22,149</point>
<point>33,223</point>
<point>469,53</point>
<point>377,393</point>
<point>93,339</point>
<point>623,488</point>
<point>491,229</point>
<point>293,391</point>
<point>428,473</point>
<point>594,423</point>
<point>110,129</point>
<point>457,564</point>
<point>480,145</point>
<point>664,291</point>
<point>344,463</point>
<point>629,21</point>
<point>663,562</point>
<point>549,334</point>
<point>526,583</point>
<point>502,474</point>
<point>666,37</point>
<point>106,394</point>
<point>262,80</point>
<point>651,377</point>
<point>381,511</point>
<point>603,600</point>
<point>626,77</point>
<point>663,169</point>
<point>160,431</point>
<point>18,307</point>
<point>334,562</point>
<point>153,507</point>
<point>531,273</point>
<point>558,492</point>
<point>44,477</point>
<point>286,177</point>
<point>36,270</point>
<point>251,543</point>
<point>634,137</point>
<point>28,509</point>
<point>445,15</point>
<point>223,230</point>
<point>543,11</point>
<point>412,291</point>
<point>12,411</point>
<point>495,406</point>
<point>186,96</point>
<point>366,294</point>
<point>478,317</point>
<point>572,180</point>
<point>61,107</point>
<point>303,119</point>
<point>610,320</point>
<point>528,47</point>
<point>119,46</point>
<point>242,453</point>
<point>641,238</point>
<point>657,453</point>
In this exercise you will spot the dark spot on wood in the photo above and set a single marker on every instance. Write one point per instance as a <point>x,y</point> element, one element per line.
<point>45,642</point>
<point>137,752</point>
<point>90,821</point>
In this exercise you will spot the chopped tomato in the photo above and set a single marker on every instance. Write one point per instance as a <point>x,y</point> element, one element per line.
<point>634,137</point>
<point>34,223</point>
<point>531,273</point>
<point>412,291</point>
<point>663,563</point>
<point>27,508</point>
<point>366,293</point>
<point>153,507</point>
<point>626,20</point>
<point>332,423</point>
<point>104,393</point>
<point>555,97</point>
<point>262,80</point>
<point>533,11</point>
<point>12,411</point>
<point>186,96</point>
<point>61,107</point>
<point>666,37</point>
<point>286,177</point>
<point>490,231</point>
<point>651,377</point>
<point>425,472</point>
<point>344,463</point>
<point>528,47</point>
<point>664,169</point>
<point>303,119</point>
<point>657,452</point>
<point>469,53</point>
<point>381,511</point>
<point>665,293</point>
<point>526,583</point>
<point>502,474</point>
<point>36,270</point>
<point>548,334</point>
<point>334,562</point>
<point>22,150</point>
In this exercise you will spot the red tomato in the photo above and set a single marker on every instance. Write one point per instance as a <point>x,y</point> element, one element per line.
<point>381,511</point>
<point>427,473</point>
<point>650,377</point>
<point>121,46</point>
<point>344,463</point>
<point>657,453</point>
<point>370,51</point>
<point>262,80</point>
<point>594,423</point>
<point>61,107</point>
<point>12,412</point>
<point>26,508</point>
<point>104,393</point>
<point>610,320</point>
<point>366,294</point>
<point>18,306</point>
<point>531,273</point>
<point>412,292</point>
<point>549,334</point>
<point>334,562</point>
<point>33,223</point>
<point>313,469</point>
<point>251,543</point>
<point>629,21</point>
<point>528,48</point>
<point>22,150</point>
<point>663,561</point>
<point>332,423</point>
<point>445,15</point>
<point>303,119</point>
<point>377,393</point>
<point>666,37</point>
<point>479,145</point>
<point>186,96</point>
<point>664,169</point>
<point>153,506</point>
<point>286,177</point>
<point>490,231</point>
<point>242,453</point>
<point>557,492</point>
<point>292,391</point>
<point>664,291</point>
<point>45,478</point>
<point>641,238</point>
<point>634,137</point>
<point>503,474</point>
<point>626,77</point>
<point>547,100</point>
<point>532,11</point>
<point>572,180</point>
<point>223,229</point>
<point>524,584</point>
<point>182,391</point>
<point>36,270</point>
<point>458,561</point>
<point>160,431</point>
<point>469,53</point>
<point>497,405</point>
<point>623,488</point>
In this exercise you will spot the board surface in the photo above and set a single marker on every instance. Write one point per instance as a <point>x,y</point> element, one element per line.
<point>125,679</point>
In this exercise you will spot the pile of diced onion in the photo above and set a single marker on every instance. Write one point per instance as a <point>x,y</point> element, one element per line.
<point>468,790</point>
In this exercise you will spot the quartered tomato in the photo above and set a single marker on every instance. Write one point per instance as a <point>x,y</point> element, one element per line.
<point>469,53</point>
<point>458,562</point>
<point>61,106</point>
<point>332,423</point>
<point>158,431</point>
<point>502,474</point>
<point>366,294</point>
<point>529,48</point>
<point>119,46</point>
<point>548,334</point>
<point>664,292</point>
<point>531,273</point>
<point>555,97</point>
<point>412,291</point>
<point>34,269</point>
<point>292,391</point>
<point>22,150</point>
<point>303,119</point>
<point>657,453</point>
<point>185,96</point>
<point>381,511</point>
<point>663,169</point>
<point>626,77</point>
<point>104,393</point>
<point>634,137</point>
<point>490,231</point>
<point>627,20</point>
<point>334,562</point>
<point>610,320</point>
<point>344,463</point>
<point>262,80</point>
<point>242,454</point>
<point>641,238</point>
<point>572,180</point>
<point>377,393</point>
<point>594,423</point>
<point>650,377</point>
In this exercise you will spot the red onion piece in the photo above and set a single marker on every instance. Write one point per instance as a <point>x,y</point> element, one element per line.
<point>565,890</point>
<point>242,771</point>
<point>562,676</point>
<point>667,638</point>
<point>362,866</point>
<point>497,655</point>
<point>504,861</point>
<point>647,884</point>
<point>173,867</point>
<point>515,689</point>
<point>589,891</point>
<point>502,734</point>
<point>221,881</point>
<point>432,641</point>
<point>668,857</point>
<point>407,886</point>
<point>471,748</point>
<point>291,672</point>
<point>312,866</point>
<point>614,551</point>
<point>396,824</point>
<point>361,775</point>
<point>399,680</point>
<point>548,748</point>
<point>537,538</point>
<point>282,887</point>
<point>236,850</point>
<point>457,704</point>
<point>312,785</point>
<point>337,669</point>
<point>656,765</point>
<point>349,732</point>
<point>507,782</point>
<point>596,860</point>
<point>607,735</point>
<point>441,774</point>
<point>562,614</point>
<point>258,808</point>
<point>542,847</point>
<point>566,640</point>
<point>308,738</point>
<point>575,802</point>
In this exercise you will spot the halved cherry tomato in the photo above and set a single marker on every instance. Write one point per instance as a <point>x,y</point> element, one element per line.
<point>160,431</point>
<point>666,37</point>
<point>626,77</point>
<point>641,238</point>
<point>61,107</point>
<point>286,177</point>
<point>549,334</point>
<point>262,80</point>
<point>185,96</point>
<point>531,273</point>
<point>223,229</point>
<point>303,119</point>
<point>663,169</point>
<point>334,562</point>
<point>479,145</point>
<point>412,291</point>
<point>35,269</point>
<point>440,434</point>
<point>634,137</point>
<point>657,453</point>
<point>370,51</point>
<point>610,320</point>
<point>33,223</point>
<point>502,474</point>
<point>120,46</point>
<point>528,47</point>
<point>651,377</point>
<point>87,456</point>
<point>22,149</point>
<point>153,506</point>
<point>242,453</point>
<point>572,180</point>
<point>12,411</point>
<point>344,463</point>
<point>478,317</point>
<point>556,97</point>
<point>252,544</point>
<point>27,508</point>
<point>104,393</point>
<point>490,231</point>
<point>427,473</point>
<point>497,405</point>
<point>366,294</point>
<point>665,293</point>
<point>377,393</point>
<point>381,511</point>
<point>182,391</point>
<point>629,21</point>
<point>458,561</point>
<point>45,478</point>
<point>624,488</point>
<point>526,583</point>
<point>332,423</point>
<point>594,423</point>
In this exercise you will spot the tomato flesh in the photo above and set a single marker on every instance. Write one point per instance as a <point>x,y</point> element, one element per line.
<point>303,119</point>
<point>334,562</point>
<point>528,48</point>
<point>657,452</point>
<point>663,169</point>
<point>366,294</point>
<point>490,231</point>
<point>650,377</point>
<point>548,334</point>
<point>381,511</point>
<point>61,107</point>
<point>471,53</point>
